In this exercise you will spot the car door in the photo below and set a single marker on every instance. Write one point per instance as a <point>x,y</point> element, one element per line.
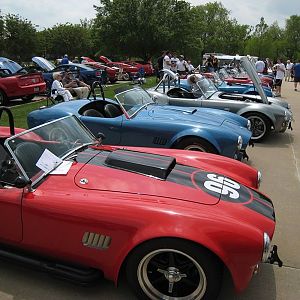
<point>10,202</point>
<point>110,127</point>
<point>225,104</point>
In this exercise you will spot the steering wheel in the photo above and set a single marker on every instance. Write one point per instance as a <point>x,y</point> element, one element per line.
<point>60,135</point>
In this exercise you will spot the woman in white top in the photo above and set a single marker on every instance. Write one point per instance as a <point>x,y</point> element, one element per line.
<point>57,87</point>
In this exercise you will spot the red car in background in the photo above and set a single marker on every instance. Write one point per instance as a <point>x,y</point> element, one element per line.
<point>112,73</point>
<point>147,66</point>
<point>126,68</point>
<point>16,82</point>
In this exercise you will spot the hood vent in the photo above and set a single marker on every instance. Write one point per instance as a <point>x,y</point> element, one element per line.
<point>154,165</point>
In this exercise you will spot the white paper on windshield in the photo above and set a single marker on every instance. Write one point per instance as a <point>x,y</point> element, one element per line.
<point>48,161</point>
<point>63,168</point>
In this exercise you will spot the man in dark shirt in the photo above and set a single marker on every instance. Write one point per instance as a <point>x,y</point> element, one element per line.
<point>296,71</point>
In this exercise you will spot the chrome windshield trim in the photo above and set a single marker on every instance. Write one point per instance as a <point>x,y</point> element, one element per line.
<point>141,108</point>
<point>6,144</point>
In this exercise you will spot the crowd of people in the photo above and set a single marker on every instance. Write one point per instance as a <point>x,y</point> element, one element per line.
<point>288,72</point>
<point>170,61</point>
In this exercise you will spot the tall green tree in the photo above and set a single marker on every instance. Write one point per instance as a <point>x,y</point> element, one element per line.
<point>71,39</point>
<point>142,28</point>
<point>19,37</point>
<point>293,36</point>
<point>1,34</point>
<point>267,41</point>
<point>214,27</point>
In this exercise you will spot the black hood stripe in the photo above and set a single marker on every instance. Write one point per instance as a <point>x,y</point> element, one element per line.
<point>197,179</point>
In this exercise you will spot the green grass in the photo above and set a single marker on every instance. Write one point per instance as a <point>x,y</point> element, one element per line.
<point>21,111</point>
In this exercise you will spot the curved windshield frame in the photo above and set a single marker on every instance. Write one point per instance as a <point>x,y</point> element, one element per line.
<point>133,100</point>
<point>61,137</point>
<point>206,87</point>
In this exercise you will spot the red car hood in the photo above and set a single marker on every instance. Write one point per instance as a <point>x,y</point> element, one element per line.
<point>144,173</point>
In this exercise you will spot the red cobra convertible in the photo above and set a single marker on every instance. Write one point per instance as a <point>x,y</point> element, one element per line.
<point>171,220</point>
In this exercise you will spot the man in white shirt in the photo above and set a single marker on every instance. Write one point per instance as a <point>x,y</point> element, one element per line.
<point>289,67</point>
<point>182,66</point>
<point>280,71</point>
<point>259,65</point>
<point>167,61</point>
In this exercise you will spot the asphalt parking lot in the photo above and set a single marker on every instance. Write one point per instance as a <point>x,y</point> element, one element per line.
<point>278,158</point>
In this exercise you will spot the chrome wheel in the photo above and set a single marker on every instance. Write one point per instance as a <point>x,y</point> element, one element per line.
<point>259,127</point>
<point>171,274</point>
<point>195,148</point>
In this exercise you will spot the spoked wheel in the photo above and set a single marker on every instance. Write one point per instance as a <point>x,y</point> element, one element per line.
<point>260,126</point>
<point>196,144</point>
<point>174,270</point>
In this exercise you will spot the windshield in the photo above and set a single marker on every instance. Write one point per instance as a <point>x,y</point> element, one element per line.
<point>206,87</point>
<point>11,65</point>
<point>57,139</point>
<point>133,100</point>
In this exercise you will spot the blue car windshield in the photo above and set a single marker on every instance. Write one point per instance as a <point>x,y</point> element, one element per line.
<point>206,87</point>
<point>133,100</point>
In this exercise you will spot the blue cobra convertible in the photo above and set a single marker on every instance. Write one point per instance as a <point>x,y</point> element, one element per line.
<point>134,119</point>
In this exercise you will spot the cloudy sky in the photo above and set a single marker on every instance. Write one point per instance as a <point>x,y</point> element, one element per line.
<point>45,13</point>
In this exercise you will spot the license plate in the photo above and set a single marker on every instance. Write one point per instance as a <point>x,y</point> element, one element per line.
<point>36,89</point>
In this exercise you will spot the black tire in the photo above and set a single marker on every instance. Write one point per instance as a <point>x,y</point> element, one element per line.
<point>260,126</point>
<point>196,144</point>
<point>28,98</point>
<point>195,272</point>
<point>3,99</point>
<point>112,80</point>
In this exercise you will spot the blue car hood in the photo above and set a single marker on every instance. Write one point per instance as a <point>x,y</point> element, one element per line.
<point>176,114</point>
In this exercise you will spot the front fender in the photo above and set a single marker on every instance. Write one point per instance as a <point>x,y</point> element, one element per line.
<point>257,109</point>
<point>197,133</point>
<point>239,250</point>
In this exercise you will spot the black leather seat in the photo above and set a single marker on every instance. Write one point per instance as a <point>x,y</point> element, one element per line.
<point>111,111</point>
<point>92,113</point>
<point>28,154</point>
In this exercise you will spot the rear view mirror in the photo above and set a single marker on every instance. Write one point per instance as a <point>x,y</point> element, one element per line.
<point>20,182</point>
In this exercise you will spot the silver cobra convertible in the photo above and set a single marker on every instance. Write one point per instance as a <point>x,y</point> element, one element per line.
<point>266,114</point>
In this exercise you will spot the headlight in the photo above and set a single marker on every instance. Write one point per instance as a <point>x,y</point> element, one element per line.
<point>259,178</point>
<point>267,248</point>
<point>289,106</point>
<point>249,125</point>
<point>240,143</point>
<point>286,117</point>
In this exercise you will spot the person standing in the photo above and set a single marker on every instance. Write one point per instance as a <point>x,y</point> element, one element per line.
<point>280,71</point>
<point>289,67</point>
<point>191,68</point>
<point>167,61</point>
<point>65,60</point>
<point>260,66</point>
<point>215,63</point>
<point>296,70</point>
<point>182,66</point>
